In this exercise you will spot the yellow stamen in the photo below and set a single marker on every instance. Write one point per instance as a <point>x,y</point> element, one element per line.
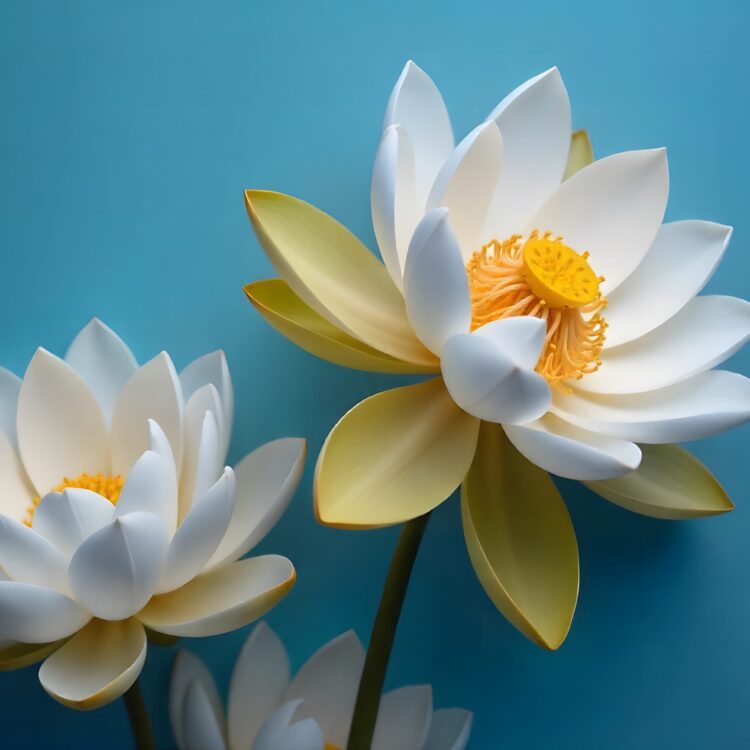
<point>543,277</point>
<point>106,485</point>
<point>329,746</point>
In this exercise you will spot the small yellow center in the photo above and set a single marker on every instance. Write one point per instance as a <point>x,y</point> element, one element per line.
<point>329,746</point>
<point>106,485</point>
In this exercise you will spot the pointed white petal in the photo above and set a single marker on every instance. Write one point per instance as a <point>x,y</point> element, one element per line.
<point>10,386</point>
<point>16,492</point>
<point>280,732</point>
<point>202,729</point>
<point>403,718</point>
<point>449,730</point>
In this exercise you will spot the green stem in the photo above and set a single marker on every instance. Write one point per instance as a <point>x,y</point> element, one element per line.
<point>383,633</point>
<point>140,724</point>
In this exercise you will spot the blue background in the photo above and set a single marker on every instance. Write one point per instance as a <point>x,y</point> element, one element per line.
<point>128,132</point>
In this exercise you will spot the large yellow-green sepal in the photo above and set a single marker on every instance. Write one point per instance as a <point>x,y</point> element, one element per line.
<point>520,539</point>
<point>670,483</point>
<point>393,457</point>
<point>291,316</point>
<point>581,153</point>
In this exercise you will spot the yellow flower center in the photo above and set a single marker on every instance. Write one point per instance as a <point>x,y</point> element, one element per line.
<point>106,485</point>
<point>329,746</point>
<point>543,277</point>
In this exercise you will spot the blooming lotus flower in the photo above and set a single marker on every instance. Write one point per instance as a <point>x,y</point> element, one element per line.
<point>119,517</point>
<point>559,313</point>
<point>313,711</point>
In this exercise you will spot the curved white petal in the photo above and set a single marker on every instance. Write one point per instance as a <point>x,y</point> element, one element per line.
<point>104,361</point>
<point>259,679</point>
<point>153,392</point>
<point>613,209</point>
<point>467,182</point>
<point>202,728</point>
<point>403,718</point>
<point>535,123</point>
<point>681,260</point>
<point>98,665</point>
<point>199,534</point>
<point>267,479</point>
<point>282,732</point>
<point>703,405</point>
<point>16,492</point>
<point>449,730</point>
<point>435,283</point>
<point>489,373</point>
<point>61,429</point>
<point>115,571</point>
<point>327,684</point>
<point>34,614</point>
<point>393,199</point>
<point>569,451</point>
<point>10,386</point>
<point>416,104</point>
<point>706,332</point>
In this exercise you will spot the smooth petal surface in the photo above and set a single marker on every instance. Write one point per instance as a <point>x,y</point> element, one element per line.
<point>259,679</point>
<point>10,387</point>
<point>203,730</point>
<point>520,540</point>
<point>115,571</point>
<point>613,209</point>
<point>281,732</point>
<point>449,730</point>
<point>681,260</point>
<point>581,153</point>
<point>569,451</point>
<point>293,318</point>
<point>61,429</point>
<point>16,491</point>
<point>327,685</point>
<point>334,273</point>
<point>490,373</point>
<point>670,483</point>
<point>97,665</point>
<point>393,457</point>
<point>403,718</point>
<point>267,479</point>
<point>436,287</point>
<point>14,655</point>
<point>104,361</point>
<point>224,599</point>
<point>204,457</point>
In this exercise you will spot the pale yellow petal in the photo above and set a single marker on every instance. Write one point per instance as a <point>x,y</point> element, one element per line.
<point>581,153</point>
<point>291,316</point>
<point>393,457</point>
<point>16,655</point>
<point>670,483</point>
<point>334,273</point>
<point>520,539</point>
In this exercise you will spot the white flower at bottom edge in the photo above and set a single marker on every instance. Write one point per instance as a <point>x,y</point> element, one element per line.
<point>313,711</point>
<point>118,516</point>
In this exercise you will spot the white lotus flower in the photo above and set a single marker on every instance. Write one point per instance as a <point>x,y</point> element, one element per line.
<point>313,711</point>
<point>118,515</point>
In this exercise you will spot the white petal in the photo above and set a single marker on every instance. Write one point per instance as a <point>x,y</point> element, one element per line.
<point>34,614</point>
<point>393,199</point>
<point>467,183</point>
<point>259,679</point>
<point>97,666</point>
<point>104,361</point>
<point>416,104</point>
<point>10,386</point>
<point>449,730</point>
<point>199,534</point>
<point>153,392</point>
<point>280,733</point>
<point>435,282</point>
<point>327,684</point>
<point>403,718</point>
<point>16,492</point>
<point>489,373</point>
<point>67,518</point>
<point>61,430</point>
<point>613,209</point>
<point>706,332</point>
<point>700,406</point>
<point>115,571</point>
<point>202,728</point>
<point>681,260</point>
<point>266,481</point>
<point>569,451</point>
<point>535,124</point>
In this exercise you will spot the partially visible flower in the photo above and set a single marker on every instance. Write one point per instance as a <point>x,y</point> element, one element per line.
<point>313,711</point>
<point>119,517</point>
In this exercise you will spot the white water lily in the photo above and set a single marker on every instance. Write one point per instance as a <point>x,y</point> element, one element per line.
<point>119,517</point>
<point>269,710</point>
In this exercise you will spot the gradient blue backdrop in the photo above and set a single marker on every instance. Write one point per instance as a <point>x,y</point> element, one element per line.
<point>127,134</point>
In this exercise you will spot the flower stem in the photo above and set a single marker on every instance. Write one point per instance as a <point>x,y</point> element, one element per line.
<point>383,632</point>
<point>140,724</point>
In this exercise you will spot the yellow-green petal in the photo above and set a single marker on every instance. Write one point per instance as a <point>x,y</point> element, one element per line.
<point>17,655</point>
<point>581,153</point>
<point>334,273</point>
<point>670,483</point>
<point>291,316</point>
<point>393,457</point>
<point>520,539</point>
